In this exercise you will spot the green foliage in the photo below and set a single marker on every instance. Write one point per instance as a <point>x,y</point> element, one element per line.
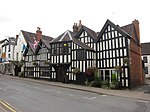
<point>76,70</point>
<point>91,71</point>
<point>34,63</point>
<point>95,83</point>
<point>21,74</point>
<point>126,60</point>
<point>18,63</point>
<point>114,77</point>
<point>118,69</point>
<point>105,84</point>
<point>87,83</point>
<point>47,62</point>
<point>115,83</point>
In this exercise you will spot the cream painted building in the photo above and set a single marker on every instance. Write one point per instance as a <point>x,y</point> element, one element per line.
<point>146,58</point>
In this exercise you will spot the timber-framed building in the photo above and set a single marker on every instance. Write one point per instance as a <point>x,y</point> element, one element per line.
<point>113,47</point>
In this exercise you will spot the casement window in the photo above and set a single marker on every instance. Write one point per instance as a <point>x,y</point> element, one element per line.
<point>17,56</point>
<point>43,56</point>
<point>54,51</point>
<point>5,48</point>
<point>9,48</point>
<point>81,55</point>
<point>66,50</point>
<point>8,55</point>
<point>30,58</point>
<point>26,58</point>
<point>146,70</point>
<point>145,59</point>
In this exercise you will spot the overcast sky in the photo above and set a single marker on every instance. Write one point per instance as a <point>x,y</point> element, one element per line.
<point>56,16</point>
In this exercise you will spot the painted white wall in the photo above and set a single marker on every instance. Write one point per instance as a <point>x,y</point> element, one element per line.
<point>147,65</point>
<point>19,46</point>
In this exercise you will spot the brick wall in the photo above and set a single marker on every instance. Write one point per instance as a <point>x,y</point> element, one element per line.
<point>136,71</point>
<point>38,34</point>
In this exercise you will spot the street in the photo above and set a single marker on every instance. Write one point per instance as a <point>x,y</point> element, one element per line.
<point>24,96</point>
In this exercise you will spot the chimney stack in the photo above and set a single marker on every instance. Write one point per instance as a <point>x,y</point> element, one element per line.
<point>79,25</point>
<point>137,28</point>
<point>75,28</point>
<point>38,34</point>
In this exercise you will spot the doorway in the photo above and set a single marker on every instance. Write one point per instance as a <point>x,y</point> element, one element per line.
<point>61,70</point>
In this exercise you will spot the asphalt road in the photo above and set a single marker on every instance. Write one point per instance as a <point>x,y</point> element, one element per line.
<point>27,96</point>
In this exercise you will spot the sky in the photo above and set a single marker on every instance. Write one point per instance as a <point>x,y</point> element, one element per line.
<point>56,16</point>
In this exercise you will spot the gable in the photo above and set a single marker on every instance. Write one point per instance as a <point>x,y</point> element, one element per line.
<point>66,36</point>
<point>42,48</point>
<point>21,43</point>
<point>85,31</point>
<point>28,51</point>
<point>110,30</point>
<point>84,37</point>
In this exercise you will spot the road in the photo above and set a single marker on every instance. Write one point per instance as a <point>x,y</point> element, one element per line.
<point>24,96</point>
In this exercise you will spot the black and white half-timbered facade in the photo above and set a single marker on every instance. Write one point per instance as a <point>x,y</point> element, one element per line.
<point>112,48</point>
<point>67,54</point>
<point>37,55</point>
<point>119,49</point>
<point>88,37</point>
<point>29,56</point>
<point>43,58</point>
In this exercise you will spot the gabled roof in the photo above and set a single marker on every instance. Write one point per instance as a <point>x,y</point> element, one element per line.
<point>66,36</point>
<point>69,36</point>
<point>29,38</point>
<point>89,31</point>
<point>145,48</point>
<point>108,22</point>
<point>46,41</point>
<point>130,29</point>
<point>5,44</point>
<point>29,45</point>
<point>2,41</point>
<point>82,44</point>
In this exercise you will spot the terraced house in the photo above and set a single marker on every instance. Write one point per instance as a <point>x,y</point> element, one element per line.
<point>120,47</point>
<point>69,53</point>
<point>112,48</point>
<point>36,54</point>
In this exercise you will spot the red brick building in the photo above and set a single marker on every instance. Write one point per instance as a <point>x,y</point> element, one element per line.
<point>136,69</point>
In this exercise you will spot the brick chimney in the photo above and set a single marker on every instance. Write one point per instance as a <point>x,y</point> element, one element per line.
<point>79,25</point>
<point>137,28</point>
<point>38,34</point>
<point>75,28</point>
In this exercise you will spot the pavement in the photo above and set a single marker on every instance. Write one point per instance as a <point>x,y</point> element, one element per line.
<point>139,93</point>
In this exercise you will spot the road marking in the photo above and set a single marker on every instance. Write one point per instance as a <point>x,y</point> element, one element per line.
<point>89,98</point>
<point>7,105</point>
<point>142,101</point>
<point>103,95</point>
